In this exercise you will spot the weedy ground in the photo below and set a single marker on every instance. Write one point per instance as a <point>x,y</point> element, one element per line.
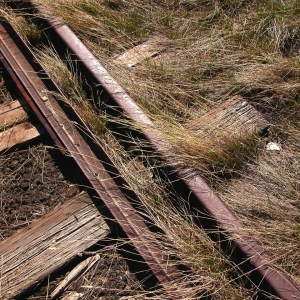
<point>217,49</point>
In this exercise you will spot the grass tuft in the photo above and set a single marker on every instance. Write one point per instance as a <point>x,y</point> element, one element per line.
<point>217,49</point>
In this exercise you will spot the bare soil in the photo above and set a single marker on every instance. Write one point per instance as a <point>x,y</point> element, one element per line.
<point>109,279</point>
<point>32,184</point>
<point>33,181</point>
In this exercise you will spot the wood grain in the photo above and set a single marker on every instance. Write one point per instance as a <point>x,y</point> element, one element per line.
<point>235,116</point>
<point>11,113</point>
<point>137,54</point>
<point>17,135</point>
<point>48,243</point>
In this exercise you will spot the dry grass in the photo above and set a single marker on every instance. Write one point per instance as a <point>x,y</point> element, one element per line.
<point>217,49</point>
<point>269,206</point>
<point>211,269</point>
<point>5,96</point>
<point>222,48</point>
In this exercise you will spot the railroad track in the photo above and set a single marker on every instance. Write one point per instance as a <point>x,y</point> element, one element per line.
<point>70,140</point>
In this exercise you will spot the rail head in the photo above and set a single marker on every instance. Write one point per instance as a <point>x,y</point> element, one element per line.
<point>282,284</point>
<point>67,137</point>
<point>278,280</point>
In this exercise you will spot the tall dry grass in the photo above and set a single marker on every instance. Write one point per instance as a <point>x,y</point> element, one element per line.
<point>212,271</point>
<point>217,49</point>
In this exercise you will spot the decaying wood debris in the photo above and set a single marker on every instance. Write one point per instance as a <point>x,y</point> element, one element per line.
<point>137,54</point>
<point>20,134</point>
<point>234,117</point>
<point>80,269</point>
<point>11,113</point>
<point>48,243</point>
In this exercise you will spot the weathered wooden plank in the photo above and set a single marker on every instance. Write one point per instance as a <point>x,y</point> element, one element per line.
<point>79,270</point>
<point>150,48</point>
<point>48,243</point>
<point>235,117</point>
<point>9,106</point>
<point>16,135</point>
<point>11,113</point>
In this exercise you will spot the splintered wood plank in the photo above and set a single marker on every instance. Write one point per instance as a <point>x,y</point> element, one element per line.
<point>235,117</point>
<point>150,48</point>
<point>48,243</point>
<point>17,135</point>
<point>11,113</point>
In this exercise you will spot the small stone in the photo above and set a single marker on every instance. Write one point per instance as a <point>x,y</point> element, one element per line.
<point>273,147</point>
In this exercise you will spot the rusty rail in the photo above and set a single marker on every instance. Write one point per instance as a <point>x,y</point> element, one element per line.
<point>70,141</point>
<point>280,282</point>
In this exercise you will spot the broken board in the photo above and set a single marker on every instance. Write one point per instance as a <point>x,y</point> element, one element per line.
<point>48,243</point>
<point>235,117</point>
<point>11,113</point>
<point>17,135</point>
<point>137,54</point>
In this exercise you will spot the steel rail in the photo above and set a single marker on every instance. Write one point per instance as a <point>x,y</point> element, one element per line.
<point>70,141</point>
<point>280,282</point>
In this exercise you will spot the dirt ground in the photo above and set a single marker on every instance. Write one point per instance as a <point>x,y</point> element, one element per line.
<point>109,279</point>
<point>32,184</point>
<point>33,181</point>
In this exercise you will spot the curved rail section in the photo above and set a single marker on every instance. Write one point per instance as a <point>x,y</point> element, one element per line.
<point>70,141</point>
<point>280,282</point>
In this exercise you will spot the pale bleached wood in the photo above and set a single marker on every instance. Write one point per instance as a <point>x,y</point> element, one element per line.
<point>11,113</point>
<point>73,296</point>
<point>235,117</point>
<point>19,134</point>
<point>137,54</point>
<point>79,270</point>
<point>48,243</point>
<point>5,107</point>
